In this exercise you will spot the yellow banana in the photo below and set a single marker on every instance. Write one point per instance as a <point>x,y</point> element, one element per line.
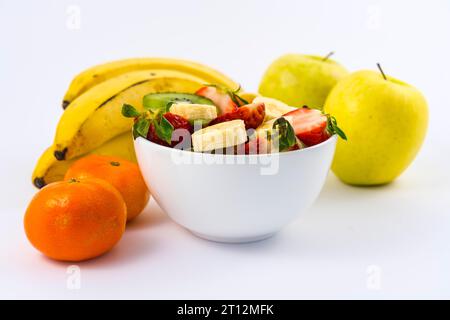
<point>100,73</point>
<point>95,116</point>
<point>219,136</point>
<point>49,170</point>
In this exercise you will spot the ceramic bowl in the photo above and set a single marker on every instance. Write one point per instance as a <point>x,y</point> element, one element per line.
<point>234,198</point>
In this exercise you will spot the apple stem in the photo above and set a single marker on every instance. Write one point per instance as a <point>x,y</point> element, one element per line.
<point>328,56</point>
<point>381,70</point>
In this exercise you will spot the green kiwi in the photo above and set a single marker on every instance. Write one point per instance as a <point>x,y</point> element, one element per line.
<point>163,99</point>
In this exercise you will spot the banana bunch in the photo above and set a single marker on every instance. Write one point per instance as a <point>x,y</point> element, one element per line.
<point>92,122</point>
<point>100,73</point>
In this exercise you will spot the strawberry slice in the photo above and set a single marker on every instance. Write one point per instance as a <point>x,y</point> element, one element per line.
<point>152,136</point>
<point>220,98</point>
<point>310,125</point>
<point>257,146</point>
<point>178,122</point>
<point>253,115</point>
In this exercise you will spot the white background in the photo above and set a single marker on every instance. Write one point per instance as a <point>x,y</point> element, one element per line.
<point>352,237</point>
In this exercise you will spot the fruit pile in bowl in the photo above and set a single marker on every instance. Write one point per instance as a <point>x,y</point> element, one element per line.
<point>219,120</point>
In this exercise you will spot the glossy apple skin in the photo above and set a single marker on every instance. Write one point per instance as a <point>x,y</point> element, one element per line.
<point>301,80</point>
<point>385,121</point>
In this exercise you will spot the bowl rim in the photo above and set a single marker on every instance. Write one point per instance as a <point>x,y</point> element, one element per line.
<point>331,139</point>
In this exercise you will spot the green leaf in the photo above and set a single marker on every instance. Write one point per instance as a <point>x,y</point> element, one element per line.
<point>164,130</point>
<point>286,134</point>
<point>333,128</point>
<point>129,111</point>
<point>140,128</point>
<point>167,109</point>
<point>340,133</point>
<point>237,98</point>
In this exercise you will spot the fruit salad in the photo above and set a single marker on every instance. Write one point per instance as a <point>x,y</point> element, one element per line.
<point>218,120</point>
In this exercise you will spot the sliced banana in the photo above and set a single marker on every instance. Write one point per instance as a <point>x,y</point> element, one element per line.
<point>194,111</point>
<point>219,136</point>
<point>274,108</point>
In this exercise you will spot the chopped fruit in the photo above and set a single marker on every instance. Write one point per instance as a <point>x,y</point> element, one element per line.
<point>311,126</point>
<point>252,114</point>
<point>160,100</point>
<point>276,135</point>
<point>258,145</point>
<point>219,136</point>
<point>274,108</point>
<point>176,121</point>
<point>152,136</point>
<point>193,112</point>
<point>220,97</point>
<point>221,118</point>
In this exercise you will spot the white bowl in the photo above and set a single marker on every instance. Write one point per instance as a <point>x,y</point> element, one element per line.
<point>234,198</point>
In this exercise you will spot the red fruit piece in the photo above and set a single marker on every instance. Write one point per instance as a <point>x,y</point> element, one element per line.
<point>257,146</point>
<point>253,115</point>
<point>178,122</point>
<point>310,125</point>
<point>221,99</point>
<point>152,136</point>
<point>261,145</point>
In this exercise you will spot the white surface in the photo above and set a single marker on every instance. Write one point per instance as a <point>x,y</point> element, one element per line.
<point>337,250</point>
<point>246,200</point>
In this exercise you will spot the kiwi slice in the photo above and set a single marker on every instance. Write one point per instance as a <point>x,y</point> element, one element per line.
<point>162,99</point>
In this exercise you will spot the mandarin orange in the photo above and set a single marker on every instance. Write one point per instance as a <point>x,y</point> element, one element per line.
<point>75,220</point>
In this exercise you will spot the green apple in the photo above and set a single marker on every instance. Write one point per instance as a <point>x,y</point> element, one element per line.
<point>301,80</point>
<point>385,121</point>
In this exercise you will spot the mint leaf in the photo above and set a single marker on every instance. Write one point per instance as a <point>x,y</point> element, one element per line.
<point>167,109</point>
<point>164,130</point>
<point>141,127</point>
<point>333,128</point>
<point>129,111</point>
<point>286,134</point>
